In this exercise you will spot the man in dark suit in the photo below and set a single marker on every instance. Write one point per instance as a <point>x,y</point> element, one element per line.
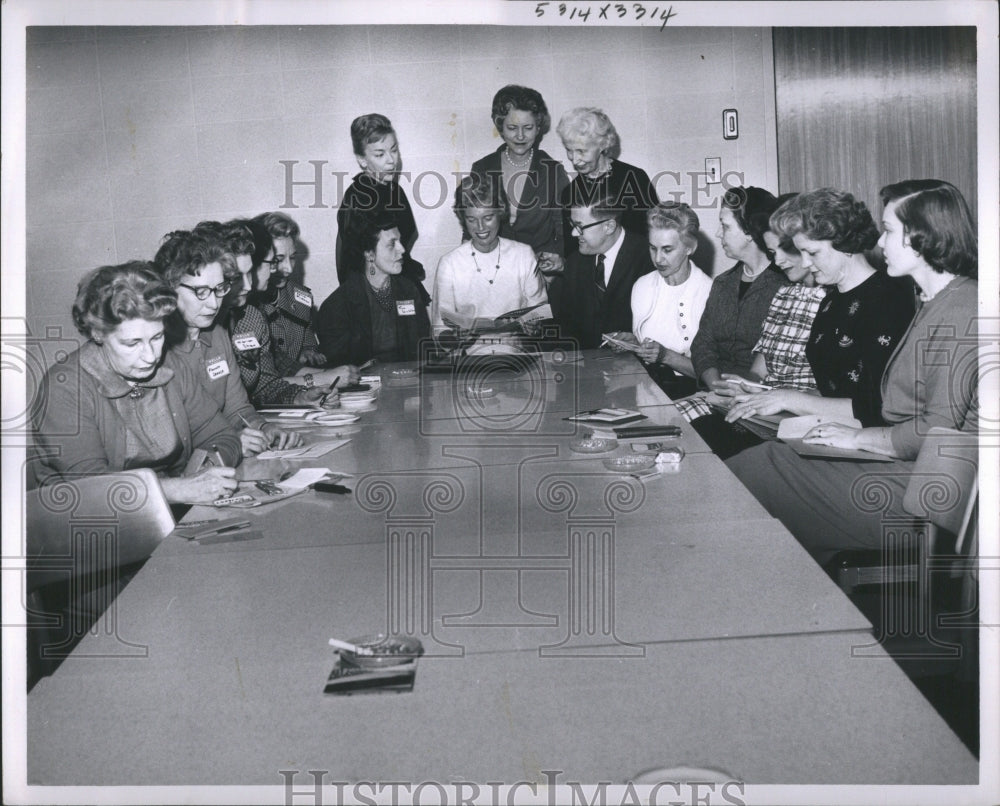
<point>595,290</point>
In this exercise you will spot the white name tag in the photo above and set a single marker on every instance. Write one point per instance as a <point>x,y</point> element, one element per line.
<point>245,341</point>
<point>405,307</point>
<point>303,297</point>
<point>217,368</point>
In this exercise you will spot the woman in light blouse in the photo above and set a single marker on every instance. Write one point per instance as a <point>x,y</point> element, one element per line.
<point>667,304</point>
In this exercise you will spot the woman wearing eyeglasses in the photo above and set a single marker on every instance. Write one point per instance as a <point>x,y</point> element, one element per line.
<point>122,402</point>
<point>250,245</point>
<point>202,272</point>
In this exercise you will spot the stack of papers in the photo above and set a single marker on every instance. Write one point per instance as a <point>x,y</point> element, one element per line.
<point>306,452</point>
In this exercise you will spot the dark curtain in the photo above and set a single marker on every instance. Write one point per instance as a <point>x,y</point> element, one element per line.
<point>859,108</point>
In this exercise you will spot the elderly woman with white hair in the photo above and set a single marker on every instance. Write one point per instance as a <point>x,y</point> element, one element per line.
<point>593,146</point>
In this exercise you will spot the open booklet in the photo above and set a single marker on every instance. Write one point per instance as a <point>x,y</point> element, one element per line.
<point>624,341</point>
<point>511,321</point>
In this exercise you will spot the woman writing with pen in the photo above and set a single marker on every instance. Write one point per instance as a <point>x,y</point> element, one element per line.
<point>201,271</point>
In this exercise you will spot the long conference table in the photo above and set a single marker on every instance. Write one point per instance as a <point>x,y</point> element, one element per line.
<point>578,625</point>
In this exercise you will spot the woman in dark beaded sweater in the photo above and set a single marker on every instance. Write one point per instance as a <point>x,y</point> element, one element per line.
<point>860,322</point>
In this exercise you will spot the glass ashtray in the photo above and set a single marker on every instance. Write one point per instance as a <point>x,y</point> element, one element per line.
<point>593,445</point>
<point>629,463</point>
<point>479,392</point>
<point>387,650</point>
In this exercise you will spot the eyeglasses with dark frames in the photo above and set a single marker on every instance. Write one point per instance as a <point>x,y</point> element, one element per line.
<point>577,229</point>
<point>202,291</point>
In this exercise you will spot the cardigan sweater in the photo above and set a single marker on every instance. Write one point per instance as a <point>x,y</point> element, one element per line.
<point>539,213</point>
<point>80,430</point>
<point>730,325</point>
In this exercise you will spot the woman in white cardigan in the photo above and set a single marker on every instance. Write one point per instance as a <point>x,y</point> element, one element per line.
<point>667,304</point>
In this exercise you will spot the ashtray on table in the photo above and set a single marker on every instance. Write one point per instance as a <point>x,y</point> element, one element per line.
<point>391,666</point>
<point>629,463</point>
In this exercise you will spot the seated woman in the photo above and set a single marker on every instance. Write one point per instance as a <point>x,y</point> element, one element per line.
<point>121,402</point>
<point>201,271</point>
<point>780,353</point>
<point>378,314</point>
<point>250,245</point>
<point>487,275</point>
<point>667,304</point>
<point>930,380</point>
<point>287,305</point>
<point>741,296</point>
<point>531,179</point>
<point>858,325</point>
<point>592,145</point>
<point>376,193</point>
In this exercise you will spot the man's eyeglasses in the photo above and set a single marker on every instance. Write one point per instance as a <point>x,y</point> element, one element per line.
<point>577,229</point>
<point>202,291</point>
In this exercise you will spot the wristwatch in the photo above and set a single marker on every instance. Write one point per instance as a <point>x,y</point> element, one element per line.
<point>308,378</point>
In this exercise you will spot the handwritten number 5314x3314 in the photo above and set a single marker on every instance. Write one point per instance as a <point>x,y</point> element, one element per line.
<point>607,11</point>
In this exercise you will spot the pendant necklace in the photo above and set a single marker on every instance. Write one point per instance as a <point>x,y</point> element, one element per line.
<point>480,271</point>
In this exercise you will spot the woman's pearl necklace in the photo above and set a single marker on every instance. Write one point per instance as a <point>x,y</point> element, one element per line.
<point>525,164</point>
<point>480,271</point>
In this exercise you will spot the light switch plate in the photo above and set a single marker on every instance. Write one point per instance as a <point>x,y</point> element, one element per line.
<point>730,124</point>
<point>713,170</point>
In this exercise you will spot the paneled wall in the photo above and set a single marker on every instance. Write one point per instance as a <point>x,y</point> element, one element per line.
<point>859,108</point>
<point>133,132</point>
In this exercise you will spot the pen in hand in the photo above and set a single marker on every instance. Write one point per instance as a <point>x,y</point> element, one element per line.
<point>330,391</point>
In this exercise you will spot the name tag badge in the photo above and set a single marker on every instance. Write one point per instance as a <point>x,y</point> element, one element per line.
<point>303,297</point>
<point>405,307</point>
<point>245,341</point>
<point>217,368</point>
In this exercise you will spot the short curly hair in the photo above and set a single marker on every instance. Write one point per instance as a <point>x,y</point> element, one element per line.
<point>235,235</point>
<point>514,96</point>
<point>110,295</point>
<point>591,125</point>
<point>828,214</point>
<point>367,129</point>
<point>184,253</point>
<point>751,207</point>
<point>937,220</point>
<point>676,216</point>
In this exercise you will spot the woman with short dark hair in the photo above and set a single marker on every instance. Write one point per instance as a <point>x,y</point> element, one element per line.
<point>532,180</point>
<point>121,402</point>
<point>375,193</point>
<point>377,314</point>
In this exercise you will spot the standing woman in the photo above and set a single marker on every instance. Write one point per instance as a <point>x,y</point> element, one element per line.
<point>487,275</point>
<point>930,380</point>
<point>592,145</point>
<point>859,323</point>
<point>376,193</point>
<point>532,181</point>
<point>741,296</point>
<point>378,313</point>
